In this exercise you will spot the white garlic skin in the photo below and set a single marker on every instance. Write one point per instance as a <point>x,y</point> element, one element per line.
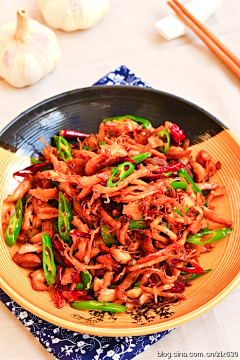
<point>26,59</point>
<point>71,15</point>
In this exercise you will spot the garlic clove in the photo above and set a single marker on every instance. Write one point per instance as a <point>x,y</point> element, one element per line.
<point>28,51</point>
<point>71,15</point>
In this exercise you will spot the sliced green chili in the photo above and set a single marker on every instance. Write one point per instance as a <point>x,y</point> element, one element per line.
<point>25,199</point>
<point>79,286</point>
<point>86,279</point>
<point>194,276</point>
<point>137,284</point>
<point>14,225</point>
<point>98,305</point>
<point>179,185</point>
<point>143,122</point>
<point>102,143</point>
<point>35,161</point>
<point>86,148</point>
<point>138,224</point>
<point>216,235</point>
<point>107,237</point>
<point>63,148</point>
<point>167,174</point>
<point>179,212</point>
<point>162,134</point>
<point>140,157</point>
<point>184,173</point>
<point>65,216</point>
<point>123,173</point>
<point>49,266</point>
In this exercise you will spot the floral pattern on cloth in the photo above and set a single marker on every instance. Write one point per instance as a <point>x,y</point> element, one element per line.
<point>69,345</point>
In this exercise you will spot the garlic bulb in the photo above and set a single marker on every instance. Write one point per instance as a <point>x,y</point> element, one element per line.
<point>28,51</point>
<point>70,15</point>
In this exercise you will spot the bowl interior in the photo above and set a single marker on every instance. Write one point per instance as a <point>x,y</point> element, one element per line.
<point>83,110</point>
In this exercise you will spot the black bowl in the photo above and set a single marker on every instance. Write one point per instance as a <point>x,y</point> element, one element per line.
<point>83,110</point>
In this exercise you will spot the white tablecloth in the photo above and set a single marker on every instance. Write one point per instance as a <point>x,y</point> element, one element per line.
<point>185,67</point>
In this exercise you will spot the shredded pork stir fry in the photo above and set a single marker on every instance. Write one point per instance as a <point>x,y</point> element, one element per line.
<point>118,220</point>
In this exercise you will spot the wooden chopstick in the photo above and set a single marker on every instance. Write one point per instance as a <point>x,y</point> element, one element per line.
<point>224,54</point>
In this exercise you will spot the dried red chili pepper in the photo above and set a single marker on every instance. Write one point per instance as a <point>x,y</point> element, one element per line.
<point>75,295</point>
<point>59,247</point>
<point>78,233</point>
<point>71,134</point>
<point>178,287</point>
<point>195,269</point>
<point>176,134</point>
<point>31,169</point>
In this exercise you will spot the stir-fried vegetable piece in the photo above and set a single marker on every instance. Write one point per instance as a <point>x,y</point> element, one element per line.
<point>72,134</point>
<point>162,135</point>
<point>49,266</point>
<point>123,173</point>
<point>65,216</point>
<point>32,169</point>
<point>98,305</point>
<point>86,279</point>
<point>102,143</point>
<point>179,212</point>
<point>184,173</point>
<point>216,235</point>
<point>193,276</point>
<point>63,148</point>
<point>138,224</point>
<point>107,237</point>
<point>15,224</point>
<point>176,134</point>
<point>140,157</point>
<point>79,286</point>
<point>86,148</point>
<point>194,269</point>
<point>35,161</point>
<point>143,122</point>
<point>179,185</point>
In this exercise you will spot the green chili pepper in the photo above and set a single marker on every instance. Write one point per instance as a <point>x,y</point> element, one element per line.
<point>86,279</point>
<point>184,173</point>
<point>216,235</point>
<point>63,148</point>
<point>49,266</point>
<point>137,284</point>
<point>14,225</point>
<point>25,199</point>
<point>107,237</point>
<point>162,134</point>
<point>179,212</point>
<point>179,185</point>
<point>138,224</point>
<point>65,217</point>
<point>140,157</point>
<point>123,173</point>
<point>86,148</point>
<point>55,225</point>
<point>167,174</point>
<point>35,161</point>
<point>98,305</point>
<point>194,276</point>
<point>102,143</point>
<point>79,286</point>
<point>143,122</point>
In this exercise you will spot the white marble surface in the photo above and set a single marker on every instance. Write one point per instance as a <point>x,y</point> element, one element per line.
<point>185,67</point>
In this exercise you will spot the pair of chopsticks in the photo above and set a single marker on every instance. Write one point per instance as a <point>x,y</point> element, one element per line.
<point>223,53</point>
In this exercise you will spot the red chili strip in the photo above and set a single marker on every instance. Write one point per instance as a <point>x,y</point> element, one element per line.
<point>59,300</point>
<point>71,134</point>
<point>76,295</point>
<point>30,169</point>
<point>59,247</point>
<point>76,277</point>
<point>78,233</point>
<point>195,269</point>
<point>178,287</point>
<point>176,134</point>
<point>172,167</point>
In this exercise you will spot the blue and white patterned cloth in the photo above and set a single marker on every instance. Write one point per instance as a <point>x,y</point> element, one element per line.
<point>69,345</point>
